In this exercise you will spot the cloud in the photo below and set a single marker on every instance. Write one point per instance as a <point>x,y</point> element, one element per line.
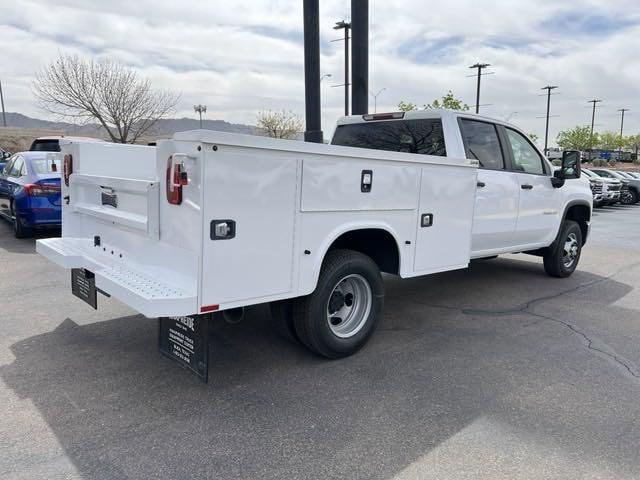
<point>244,56</point>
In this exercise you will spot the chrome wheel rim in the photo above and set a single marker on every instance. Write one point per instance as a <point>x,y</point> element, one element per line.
<point>571,249</point>
<point>349,305</point>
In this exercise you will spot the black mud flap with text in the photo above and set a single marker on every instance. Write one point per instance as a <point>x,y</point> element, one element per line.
<point>186,340</point>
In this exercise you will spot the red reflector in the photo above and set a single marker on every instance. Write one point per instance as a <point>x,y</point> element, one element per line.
<point>68,168</point>
<point>383,116</point>
<point>209,308</point>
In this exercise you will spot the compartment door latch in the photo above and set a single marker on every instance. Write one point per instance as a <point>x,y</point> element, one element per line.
<point>223,229</point>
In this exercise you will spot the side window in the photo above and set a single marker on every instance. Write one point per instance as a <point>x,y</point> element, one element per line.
<point>7,167</point>
<point>411,136</point>
<point>525,157</point>
<point>481,143</point>
<point>18,163</point>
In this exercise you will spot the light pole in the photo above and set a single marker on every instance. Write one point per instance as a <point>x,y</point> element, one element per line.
<point>480,67</point>
<point>375,99</point>
<point>4,119</point>
<point>548,88</point>
<point>346,26</point>
<point>595,101</point>
<point>200,109</point>
<point>622,110</point>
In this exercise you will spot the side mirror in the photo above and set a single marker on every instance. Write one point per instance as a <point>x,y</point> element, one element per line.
<point>569,169</point>
<point>571,166</point>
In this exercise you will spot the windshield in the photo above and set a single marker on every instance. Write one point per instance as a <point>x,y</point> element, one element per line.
<point>411,136</point>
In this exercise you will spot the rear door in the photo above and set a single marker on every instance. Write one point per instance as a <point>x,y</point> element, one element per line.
<point>497,191</point>
<point>538,213</point>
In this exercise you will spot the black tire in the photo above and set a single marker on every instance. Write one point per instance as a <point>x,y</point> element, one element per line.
<point>634,196</point>
<point>311,313</point>
<point>19,230</point>
<point>282,316</point>
<point>556,261</point>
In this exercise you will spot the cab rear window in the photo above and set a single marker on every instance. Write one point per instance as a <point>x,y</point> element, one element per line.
<point>411,136</point>
<point>45,146</point>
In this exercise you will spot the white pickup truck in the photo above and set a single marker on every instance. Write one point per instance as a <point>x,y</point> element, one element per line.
<point>211,221</point>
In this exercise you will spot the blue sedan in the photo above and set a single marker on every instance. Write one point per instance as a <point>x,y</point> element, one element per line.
<point>30,191</point>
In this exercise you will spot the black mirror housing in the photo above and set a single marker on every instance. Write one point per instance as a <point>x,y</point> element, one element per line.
<point>571,165</point>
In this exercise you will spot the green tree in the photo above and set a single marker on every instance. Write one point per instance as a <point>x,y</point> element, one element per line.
<point>406,106</point>
<point>534,137</point>
<point>610,141</point>
<point>577,138</point>
<point>633,142</point>
<point>448,101</point>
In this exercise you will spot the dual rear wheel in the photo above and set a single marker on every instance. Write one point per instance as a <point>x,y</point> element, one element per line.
<point>338,318</point>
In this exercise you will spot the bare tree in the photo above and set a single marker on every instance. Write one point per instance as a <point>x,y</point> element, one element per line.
<point>280,124</point>
<point>105,91</point>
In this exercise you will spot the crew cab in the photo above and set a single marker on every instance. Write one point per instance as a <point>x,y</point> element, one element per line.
<point>211,221</point>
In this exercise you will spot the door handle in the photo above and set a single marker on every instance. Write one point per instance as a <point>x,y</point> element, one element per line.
<point>526,186</point>
<point>480,184</point>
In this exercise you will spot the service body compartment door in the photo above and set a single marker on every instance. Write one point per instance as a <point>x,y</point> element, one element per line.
<point>250,195</point>
<point>445,218</point>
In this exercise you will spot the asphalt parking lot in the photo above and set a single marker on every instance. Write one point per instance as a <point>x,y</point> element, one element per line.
<point>493,372</point>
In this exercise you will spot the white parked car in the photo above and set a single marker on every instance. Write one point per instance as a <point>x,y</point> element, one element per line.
<point>212,221</point>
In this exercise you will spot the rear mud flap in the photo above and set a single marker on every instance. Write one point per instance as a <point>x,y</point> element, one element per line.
<point>186,341</point>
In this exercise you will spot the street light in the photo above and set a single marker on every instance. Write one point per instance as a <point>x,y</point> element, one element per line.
<point>200,109</point>
<point>375,99</point>
<point>346,26</point>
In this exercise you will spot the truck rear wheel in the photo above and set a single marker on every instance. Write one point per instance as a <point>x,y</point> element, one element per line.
<point>338,318</point>
<point>563,259</point>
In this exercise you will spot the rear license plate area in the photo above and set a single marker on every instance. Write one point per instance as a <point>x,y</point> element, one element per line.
<point>83,286</point>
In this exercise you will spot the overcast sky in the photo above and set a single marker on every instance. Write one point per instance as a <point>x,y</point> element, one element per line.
<point>242,56</point>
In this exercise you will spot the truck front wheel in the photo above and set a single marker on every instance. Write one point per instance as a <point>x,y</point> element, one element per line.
<point>562,259</point>
<point>338,318</point>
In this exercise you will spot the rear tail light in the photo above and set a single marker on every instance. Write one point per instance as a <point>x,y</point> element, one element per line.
<point>41,189</point>
<point>68,168</point>
<point>176,179</point>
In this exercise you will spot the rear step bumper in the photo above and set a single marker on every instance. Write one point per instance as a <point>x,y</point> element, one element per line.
<point>140,290</point>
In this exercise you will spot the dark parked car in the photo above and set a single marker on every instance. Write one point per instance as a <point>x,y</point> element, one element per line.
<point>30,191</point>
<point>630,192</point>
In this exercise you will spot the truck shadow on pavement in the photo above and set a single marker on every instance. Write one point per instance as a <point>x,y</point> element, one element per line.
<point>451,349</point>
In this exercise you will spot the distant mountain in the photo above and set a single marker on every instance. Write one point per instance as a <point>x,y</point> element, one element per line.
<point>163,128</point>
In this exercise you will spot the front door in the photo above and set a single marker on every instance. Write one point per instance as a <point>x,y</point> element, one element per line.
<point>5,187</point>
<point>538,207</point>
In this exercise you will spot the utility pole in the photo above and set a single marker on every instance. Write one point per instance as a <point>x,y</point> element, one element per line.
<point>360,57</point>
<point>548,88</point>
<point>595,101</point>
<point>480,67</point>
<point>347,84</point>
<point>375,99</point>
<point>622,110</point>
<point>313,114</point>
<point>4,118</point>
<point>200,109</point>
